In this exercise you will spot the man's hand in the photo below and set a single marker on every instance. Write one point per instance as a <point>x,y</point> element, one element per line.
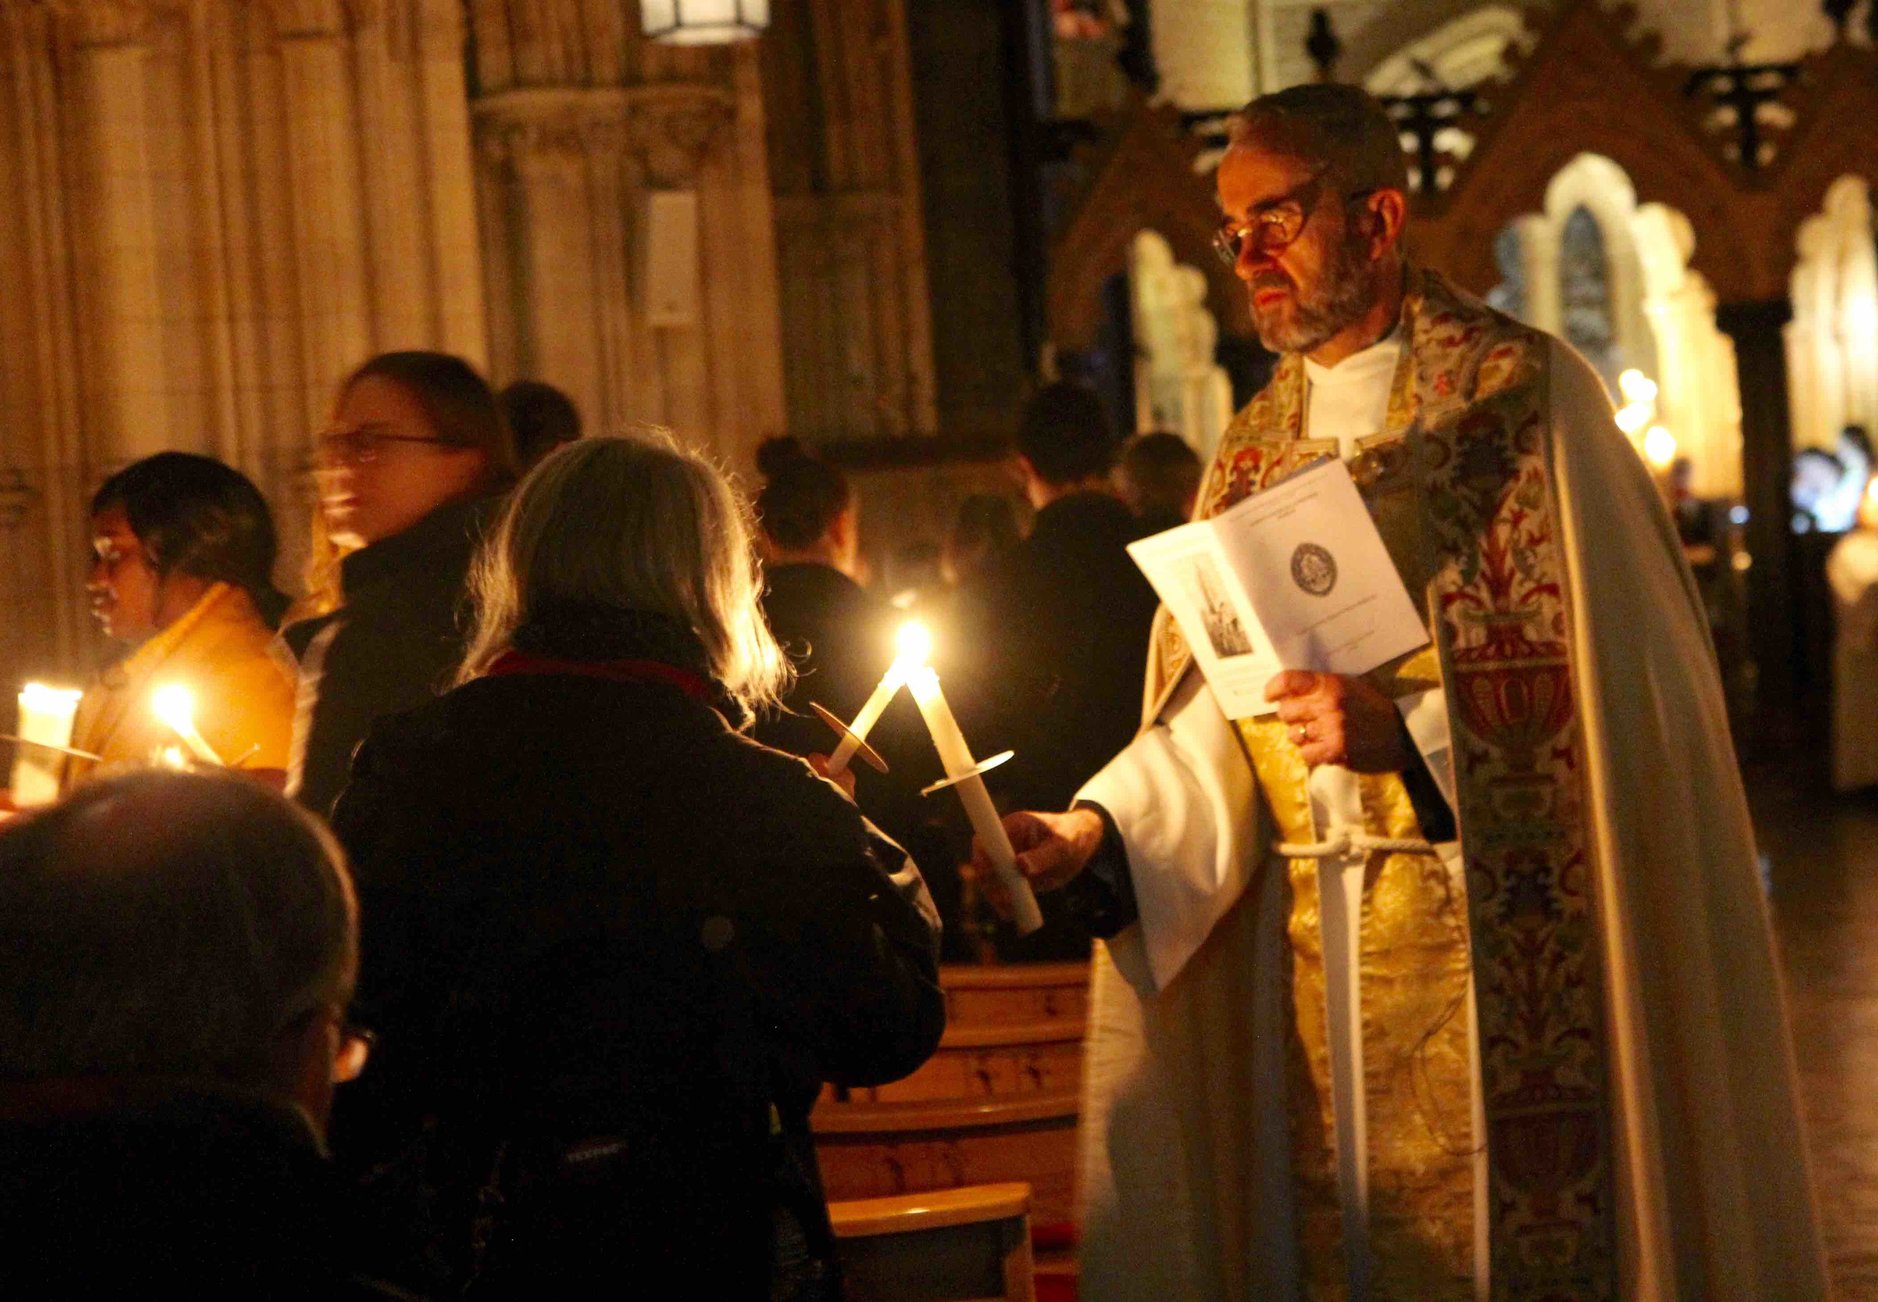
<point>1338,720</point>
<point>1051,850</point>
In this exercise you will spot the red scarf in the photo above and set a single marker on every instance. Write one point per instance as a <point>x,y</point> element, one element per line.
<point>511,663</point>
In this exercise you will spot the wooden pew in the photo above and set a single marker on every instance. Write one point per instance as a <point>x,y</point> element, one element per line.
<point>1009,1031</point>
<point>953,1245</point>
<point>878,1150</point>
<point>998,1102</point>
<point>1017,992</point>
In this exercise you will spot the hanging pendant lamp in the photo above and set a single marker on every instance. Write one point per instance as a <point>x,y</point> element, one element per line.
<point>703,22</point>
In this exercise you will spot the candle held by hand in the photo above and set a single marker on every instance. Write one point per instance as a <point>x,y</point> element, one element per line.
<point>914,646</point>
<point>962,769</point>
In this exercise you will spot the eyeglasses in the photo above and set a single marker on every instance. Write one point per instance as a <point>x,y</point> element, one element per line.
<point>361,445</point>
<point>355,1046</point>
<point>1275,224</point>
<point>355,1041</point>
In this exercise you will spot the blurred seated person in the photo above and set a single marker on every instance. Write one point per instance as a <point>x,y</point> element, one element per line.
<point>407,475</point>
<point>1054,640</point>
<point>1852,574</point>
<point>1828,487</point>
<point>1051,644</point>
<point>1816,477</point>
<point>182,571</point>
<point>1158,476</point>
<point>1837,508</point>
<point>176,956</point>
<point>615,946</point>
<point>985,530</point>
<point>839,638</point>
<point>540,419</point>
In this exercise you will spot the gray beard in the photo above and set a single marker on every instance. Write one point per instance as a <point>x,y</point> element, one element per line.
<point>1342,296</point>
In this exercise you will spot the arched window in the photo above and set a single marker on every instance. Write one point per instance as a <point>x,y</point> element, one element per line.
<point>1585,293</point>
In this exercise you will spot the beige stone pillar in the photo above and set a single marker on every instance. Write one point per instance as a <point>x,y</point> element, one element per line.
<point>214,209</point>
<point>627,224</point>
<point>124,391</point>
<point>325,197</point>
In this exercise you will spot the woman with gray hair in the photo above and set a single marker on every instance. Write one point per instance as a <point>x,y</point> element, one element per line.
<point>613,947</point>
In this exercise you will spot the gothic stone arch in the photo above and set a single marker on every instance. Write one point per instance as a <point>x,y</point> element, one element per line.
<point>1144,180</point>
<point>1586,88</point>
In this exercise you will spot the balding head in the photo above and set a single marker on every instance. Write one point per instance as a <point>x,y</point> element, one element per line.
<point>168,925</point>
<point>1341,128</point>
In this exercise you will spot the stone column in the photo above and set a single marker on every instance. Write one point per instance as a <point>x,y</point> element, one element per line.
<point>216,208</point>
<point>325,197</point>
<point>608,170</point>
<point>124,384</point>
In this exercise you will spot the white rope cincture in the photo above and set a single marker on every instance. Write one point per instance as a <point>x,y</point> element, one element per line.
<point>1346,840</point>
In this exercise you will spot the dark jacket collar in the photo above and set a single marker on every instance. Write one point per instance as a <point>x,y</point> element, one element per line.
<point>586,631</point>
<point>446,536</point>
<point>1084,510</point>
<point>808,576</point>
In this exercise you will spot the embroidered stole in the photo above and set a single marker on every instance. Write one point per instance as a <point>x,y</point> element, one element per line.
<point>1460,487</point>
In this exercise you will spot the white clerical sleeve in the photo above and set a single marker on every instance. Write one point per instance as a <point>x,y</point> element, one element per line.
<point>1183,799</point>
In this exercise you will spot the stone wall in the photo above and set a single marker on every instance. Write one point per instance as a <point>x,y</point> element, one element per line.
<point>214,208</point>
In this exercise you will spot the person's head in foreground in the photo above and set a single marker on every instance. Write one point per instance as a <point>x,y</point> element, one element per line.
<point>167,528</point>
<point>1065,442</point>
<point>540,419</point>
<point>166,933</point>
<point>411,432</point>
<point>1158,476</point>
<point>633,535</point>
<point>1312,192</point>
<point>806,509</point>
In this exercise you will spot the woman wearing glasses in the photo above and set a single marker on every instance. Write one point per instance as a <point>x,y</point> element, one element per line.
<point>182,573</point>
<point>407,475</point>
<point>614,946</point>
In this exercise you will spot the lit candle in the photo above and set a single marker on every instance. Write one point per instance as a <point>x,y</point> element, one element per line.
<point>961,769</point>
<point>177,708</point>
<point>914,645</point>
<point>46,715</point>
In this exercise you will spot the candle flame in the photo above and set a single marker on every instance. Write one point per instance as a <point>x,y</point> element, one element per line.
<point>176,706</point>
<point>1659,445</point>
<point>1636,386</point>
<point>172,758</point>
<point>914,644</point>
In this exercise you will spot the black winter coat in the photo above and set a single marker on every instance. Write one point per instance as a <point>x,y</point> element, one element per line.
<point>613,949</point>
<point>1059,649</point>
<point>185,1193</point>
<point>394,644</point>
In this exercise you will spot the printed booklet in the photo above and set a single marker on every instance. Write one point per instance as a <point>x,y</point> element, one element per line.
<point>1294,577</point>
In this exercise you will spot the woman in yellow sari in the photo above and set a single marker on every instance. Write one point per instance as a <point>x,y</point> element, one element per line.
<point>184,555</point>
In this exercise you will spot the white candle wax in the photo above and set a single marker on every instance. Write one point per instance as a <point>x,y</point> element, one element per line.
<point>958,761</point>
<point>46,715</point>
<point>865,721</point>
